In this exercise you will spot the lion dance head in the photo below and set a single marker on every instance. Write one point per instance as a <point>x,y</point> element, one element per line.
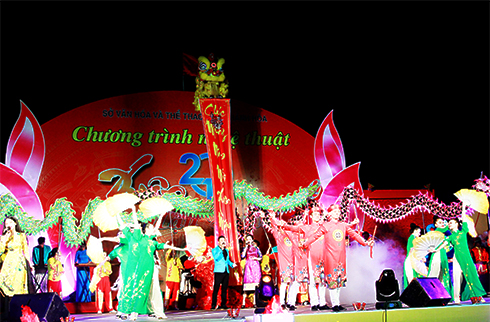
<point>210,81</point>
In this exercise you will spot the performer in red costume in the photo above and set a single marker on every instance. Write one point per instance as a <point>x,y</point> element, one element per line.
<point>315,258</point>
<point>334,232</point>
<point>300,268</point>
<point>284,254</point>
<point>300,274</point>
<point>203,273</point>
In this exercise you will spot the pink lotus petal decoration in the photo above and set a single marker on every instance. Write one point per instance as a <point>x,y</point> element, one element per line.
<point>331,166</point>
<point>13,183</point>
<point>349,177</point>
<point>20,174</point>
<point>25,149</point>
<point>329,153</point>
<point>23,163</point>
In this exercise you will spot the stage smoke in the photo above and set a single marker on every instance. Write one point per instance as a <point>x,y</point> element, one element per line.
<point>363,271</point>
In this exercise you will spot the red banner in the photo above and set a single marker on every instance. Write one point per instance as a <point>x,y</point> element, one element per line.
<point>216,121</point>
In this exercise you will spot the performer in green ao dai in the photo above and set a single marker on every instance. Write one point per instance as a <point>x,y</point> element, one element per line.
<point>463,263</point>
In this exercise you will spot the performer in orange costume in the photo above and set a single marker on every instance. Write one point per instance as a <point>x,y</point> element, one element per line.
<point>103,291</point>
<point>174,267</point>
<point>55,271</point>
<point>480,257</point>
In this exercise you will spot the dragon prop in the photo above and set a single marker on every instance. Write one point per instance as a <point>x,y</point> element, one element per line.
<point>381,214</point>
<point>75,234</point>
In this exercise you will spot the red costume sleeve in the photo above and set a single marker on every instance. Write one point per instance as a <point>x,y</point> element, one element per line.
<point>352,234</point>
<point>274,222</point>
<point>293,228</point>
<point>319,233</point>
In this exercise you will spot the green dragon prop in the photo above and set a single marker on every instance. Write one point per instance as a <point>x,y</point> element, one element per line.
<point>75,234</point>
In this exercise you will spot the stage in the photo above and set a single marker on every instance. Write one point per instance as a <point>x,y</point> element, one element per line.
<point>463,312</point>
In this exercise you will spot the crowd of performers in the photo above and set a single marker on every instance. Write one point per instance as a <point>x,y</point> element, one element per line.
<point>46,268</point>
<point>311,252</point>
<point>452,260</point>
<point>315,254</point>
<point>139,291</point>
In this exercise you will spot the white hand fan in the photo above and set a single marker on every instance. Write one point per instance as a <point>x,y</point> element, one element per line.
<point>95,250</point>
<point>153,207</point>
<point>417,265</point>
<point>475,199</point>
<point>195,240</point>
<point>422,244</point>
<point>104,216</point>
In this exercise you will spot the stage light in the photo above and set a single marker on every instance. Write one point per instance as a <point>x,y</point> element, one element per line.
<point>264,292</point>
<point>266,288</point>
<point>387,291</point>
<point>387,288</point>
<point>388,305</point>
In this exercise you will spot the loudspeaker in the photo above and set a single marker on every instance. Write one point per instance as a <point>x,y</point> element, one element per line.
<point>427,291</point>
<point>48,306</point>
<point>185,300</point>
<point>4,306</point>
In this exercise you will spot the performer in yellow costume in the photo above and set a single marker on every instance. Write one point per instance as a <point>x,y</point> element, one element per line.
<point>13,251</point>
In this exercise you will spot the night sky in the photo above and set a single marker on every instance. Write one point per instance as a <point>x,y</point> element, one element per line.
<point>408,82</point>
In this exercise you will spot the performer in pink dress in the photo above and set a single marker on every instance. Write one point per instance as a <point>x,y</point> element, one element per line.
<point>252,272</point>
<point>284,254</point>
<point>334,232</point>
<point>315,258</point>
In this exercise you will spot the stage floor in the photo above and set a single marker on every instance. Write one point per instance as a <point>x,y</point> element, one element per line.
<point>457,313</point>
